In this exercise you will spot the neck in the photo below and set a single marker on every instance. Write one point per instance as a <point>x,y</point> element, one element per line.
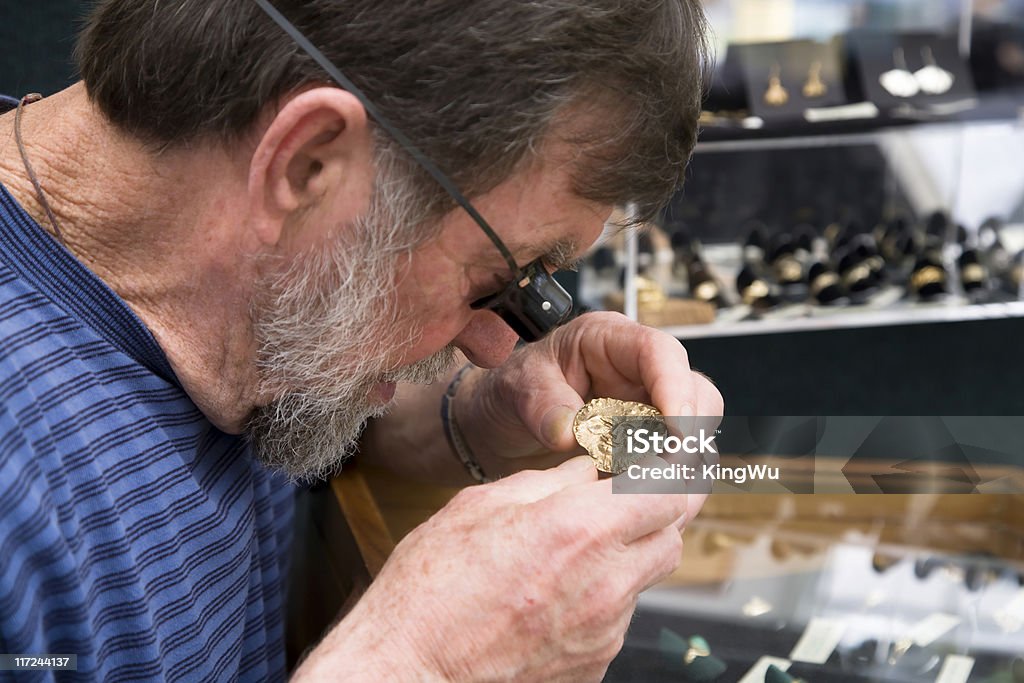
<point>156,228</point>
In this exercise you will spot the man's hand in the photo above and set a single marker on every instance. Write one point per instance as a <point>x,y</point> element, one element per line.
<point>520,414</point>
<point>531,578</point>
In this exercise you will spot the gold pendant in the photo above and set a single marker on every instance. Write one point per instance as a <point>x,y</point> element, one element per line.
<point>814,87</point>
<point>775,95</point>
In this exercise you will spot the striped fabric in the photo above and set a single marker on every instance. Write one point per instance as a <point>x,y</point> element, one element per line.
<point>133,533</point>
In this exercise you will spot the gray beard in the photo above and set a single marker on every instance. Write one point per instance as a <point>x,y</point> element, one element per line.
<point>308,436</point>
<point>325,327</point>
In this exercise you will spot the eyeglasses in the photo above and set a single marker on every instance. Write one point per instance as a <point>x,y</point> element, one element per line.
<point>533,303</point>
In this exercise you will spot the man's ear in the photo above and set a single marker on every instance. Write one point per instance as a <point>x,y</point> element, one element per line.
<point>317,145</point>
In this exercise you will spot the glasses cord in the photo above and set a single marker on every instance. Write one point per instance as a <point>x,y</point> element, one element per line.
<point>40,195</point>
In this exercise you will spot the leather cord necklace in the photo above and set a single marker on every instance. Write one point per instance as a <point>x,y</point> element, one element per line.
<point>50,216</point>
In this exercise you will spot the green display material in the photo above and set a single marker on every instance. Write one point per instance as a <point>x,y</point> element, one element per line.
<point>672,645</point>
<point>704,669</point>
<point>690,657</point>
<point>776,675</point>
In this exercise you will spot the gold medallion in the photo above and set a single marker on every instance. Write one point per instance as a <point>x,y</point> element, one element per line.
<point>600,429</point>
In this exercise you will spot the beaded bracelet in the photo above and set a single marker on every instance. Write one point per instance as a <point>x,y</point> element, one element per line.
<point>451,429</point>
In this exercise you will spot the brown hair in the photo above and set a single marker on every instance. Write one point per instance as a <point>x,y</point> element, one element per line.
<point>475,85</point>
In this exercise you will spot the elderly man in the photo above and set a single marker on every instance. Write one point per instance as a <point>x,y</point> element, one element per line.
<point>216,266</point>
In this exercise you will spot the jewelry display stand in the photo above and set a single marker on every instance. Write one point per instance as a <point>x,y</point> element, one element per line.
<point>905,71</point>
<point>783,80</point>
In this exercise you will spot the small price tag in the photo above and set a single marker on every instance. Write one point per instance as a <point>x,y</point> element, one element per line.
<point>931,628</point>
<point>955,669</point>
<point>818,641</point>
<point>1016,604</point>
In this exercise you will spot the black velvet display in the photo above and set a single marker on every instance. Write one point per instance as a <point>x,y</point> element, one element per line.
<point>959,368</point>
<point>36,41</point>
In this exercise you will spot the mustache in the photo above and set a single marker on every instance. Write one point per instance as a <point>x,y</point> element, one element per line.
<point>425,371</point>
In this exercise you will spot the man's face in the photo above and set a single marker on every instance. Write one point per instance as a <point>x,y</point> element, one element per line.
<point>344,321</point>
<point>537,215</point>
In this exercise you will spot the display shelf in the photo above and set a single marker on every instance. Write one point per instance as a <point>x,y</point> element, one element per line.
<point>887,308</point>
<point>992,109</point>
<point>819,320</point>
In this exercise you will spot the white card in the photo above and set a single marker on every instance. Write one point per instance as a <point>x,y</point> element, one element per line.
<point>818,641</point>
<point>955,669</point>
<point>1016,604</point>
<point>931,628</point>
<point>760,668</point>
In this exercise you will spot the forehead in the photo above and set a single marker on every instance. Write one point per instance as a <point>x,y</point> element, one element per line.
<point>537,210</point>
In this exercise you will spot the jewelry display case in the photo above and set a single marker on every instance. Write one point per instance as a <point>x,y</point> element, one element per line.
<point>849,173</point>
<point>861,257</point>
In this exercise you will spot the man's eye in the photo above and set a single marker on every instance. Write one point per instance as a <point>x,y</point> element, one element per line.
<point>482,297</point>
<point>484,301</point>
<point>485,292</point>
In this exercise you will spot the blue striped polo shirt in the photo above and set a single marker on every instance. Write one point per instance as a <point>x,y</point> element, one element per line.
<point>133,533</point>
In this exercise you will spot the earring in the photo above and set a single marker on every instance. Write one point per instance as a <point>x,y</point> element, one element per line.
<point>814,87</point>
<point>775,95</point>
<point>899,82</point>
<point>932,78</point>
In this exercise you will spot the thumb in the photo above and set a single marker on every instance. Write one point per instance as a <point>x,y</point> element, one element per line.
<point>548,411</point>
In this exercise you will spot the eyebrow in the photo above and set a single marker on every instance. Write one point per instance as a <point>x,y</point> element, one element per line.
<point>563,254</point>
<point>559,254</point>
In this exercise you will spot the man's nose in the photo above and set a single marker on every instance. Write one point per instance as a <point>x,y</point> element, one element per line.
<point>486,340</point>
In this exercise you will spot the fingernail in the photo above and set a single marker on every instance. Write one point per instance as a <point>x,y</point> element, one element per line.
<point>681,522</point>
<point>686,410</point>
<point>555,423</point>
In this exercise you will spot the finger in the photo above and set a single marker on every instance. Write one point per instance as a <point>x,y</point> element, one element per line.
<point>665,370</point>
<point>622,517</point>
<point>656,360</point>
<point>528,486</point>
<point>709,399</point>
<point>547,406</point>
<point>657,554</point>
<point>694,503</point>
<point>544,459</point>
